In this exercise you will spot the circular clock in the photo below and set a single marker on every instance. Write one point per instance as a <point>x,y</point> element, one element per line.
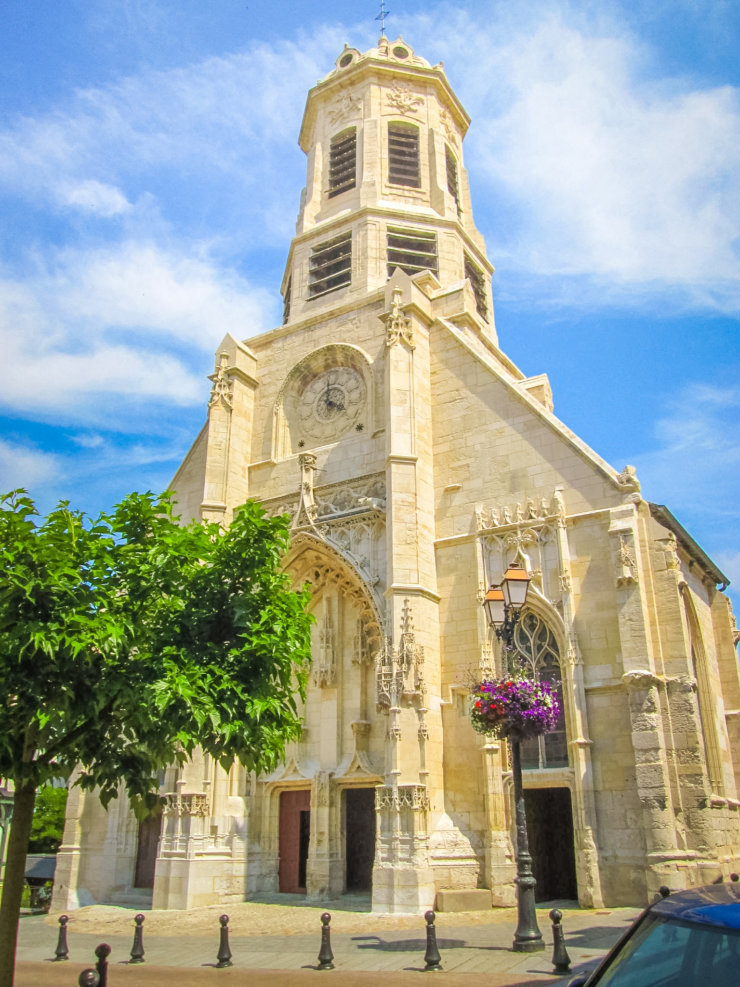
<point>331,402</point>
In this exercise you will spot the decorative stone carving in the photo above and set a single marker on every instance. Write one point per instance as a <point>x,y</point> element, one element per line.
<point>669,545</point>
<point>361,498</point>
<point>399,671</point>
<point>486,663</point>
<point>412,797</point>
<point>362,643</point>
<point>320,565</point>
<point>448,126</point>
<point>324,664</point>
<point>307,510</point>
<point>629,483</point>
<point>347,107</point>
<point>626,565</point>
<point>488,518</point>
<point>527,533</point>
<point>402,99</point>
<point>222,390</point>
<point>185,804</point>
<point>397,325</point>
<point>321,784</point>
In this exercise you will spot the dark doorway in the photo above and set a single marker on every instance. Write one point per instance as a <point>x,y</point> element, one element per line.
<point>146,851</point>
<point>294,835</point>
<point>550,830</point>
<point>359,804</point>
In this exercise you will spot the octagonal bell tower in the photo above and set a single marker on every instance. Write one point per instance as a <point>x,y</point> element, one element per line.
<point>386,185</point>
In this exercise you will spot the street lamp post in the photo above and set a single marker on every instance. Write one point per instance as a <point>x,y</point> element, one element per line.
<point>503,606</point>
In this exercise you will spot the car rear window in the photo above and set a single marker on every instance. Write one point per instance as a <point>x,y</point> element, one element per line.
<point>670,953</point>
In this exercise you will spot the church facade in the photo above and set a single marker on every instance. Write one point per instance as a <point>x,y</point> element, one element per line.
<point>416,462</point>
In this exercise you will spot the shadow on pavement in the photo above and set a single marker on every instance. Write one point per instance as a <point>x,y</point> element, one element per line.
<point>405,945</point>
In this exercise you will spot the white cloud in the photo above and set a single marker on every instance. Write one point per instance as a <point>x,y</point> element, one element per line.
<point>225,123</point>
<point>103,323</point>
<point>95,197</point>
<point>595,168</point>
<point>25,466</point>
<point>695,465</point>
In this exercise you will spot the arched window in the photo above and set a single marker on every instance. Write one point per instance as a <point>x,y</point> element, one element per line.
<point>706,706</point>
<point>403,155</point>
<point>539,655</point>
<point>343,162</point>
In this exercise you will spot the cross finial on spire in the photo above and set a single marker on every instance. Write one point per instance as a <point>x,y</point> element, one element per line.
<point>382,16</point>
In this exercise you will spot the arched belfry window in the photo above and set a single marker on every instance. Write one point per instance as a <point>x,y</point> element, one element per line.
<point>537,650</point>
<point>343,162</point>
<point>404,166</point>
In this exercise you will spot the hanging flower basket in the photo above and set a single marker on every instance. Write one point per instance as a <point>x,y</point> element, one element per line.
<point>514,708</point>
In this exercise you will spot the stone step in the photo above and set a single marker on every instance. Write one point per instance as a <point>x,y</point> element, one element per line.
<point>132,898</point>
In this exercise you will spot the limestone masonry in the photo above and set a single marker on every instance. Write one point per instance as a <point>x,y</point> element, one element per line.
<point>417,462</point>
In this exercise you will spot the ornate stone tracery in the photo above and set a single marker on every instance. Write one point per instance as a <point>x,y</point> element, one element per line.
<point>223,383</point>
<point>398,326</point>
<point>399,671</point>
<point>185,804</point>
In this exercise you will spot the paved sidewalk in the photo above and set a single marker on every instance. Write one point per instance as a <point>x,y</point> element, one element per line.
<point>475,947</point>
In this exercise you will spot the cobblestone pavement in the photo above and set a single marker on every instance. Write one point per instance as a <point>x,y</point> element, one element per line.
<point>284,942</point>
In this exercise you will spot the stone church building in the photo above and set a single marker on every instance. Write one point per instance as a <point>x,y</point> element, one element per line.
<point>417,462</point>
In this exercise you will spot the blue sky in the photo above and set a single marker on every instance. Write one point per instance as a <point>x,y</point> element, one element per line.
<point>150,178</point>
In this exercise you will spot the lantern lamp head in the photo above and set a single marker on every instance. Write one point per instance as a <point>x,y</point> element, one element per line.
<point>494,606</point>
<point>515,586</point>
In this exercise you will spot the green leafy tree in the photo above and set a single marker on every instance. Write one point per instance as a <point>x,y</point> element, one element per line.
<point>47,825</point>
<point>128,640</point>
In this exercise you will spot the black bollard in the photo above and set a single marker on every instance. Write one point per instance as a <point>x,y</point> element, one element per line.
<point>137,950</point>
<point>664,891</point>
<point>326,957</point>
<point>735,877</point>
<point>432,959</point>
<point>62,951</point>
<point>89,978</point>
<point>224,953</point>
<point>560,958</point>
<point>102,952</point>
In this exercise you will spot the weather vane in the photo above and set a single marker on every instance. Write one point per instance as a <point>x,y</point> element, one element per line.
<point>382,16</point>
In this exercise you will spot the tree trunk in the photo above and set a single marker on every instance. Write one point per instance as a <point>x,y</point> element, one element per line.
<point>20,831</point>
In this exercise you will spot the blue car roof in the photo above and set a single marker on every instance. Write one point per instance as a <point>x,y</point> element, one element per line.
<point>714,904</point>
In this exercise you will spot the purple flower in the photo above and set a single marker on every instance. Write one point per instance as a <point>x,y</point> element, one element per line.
<point>515,707</point>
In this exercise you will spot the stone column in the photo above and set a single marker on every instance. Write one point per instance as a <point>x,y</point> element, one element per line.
<point>574,695</point>
<point>407,667</point>
<point>324,871</point>
<point>500,867</point>
<point>652,776</point>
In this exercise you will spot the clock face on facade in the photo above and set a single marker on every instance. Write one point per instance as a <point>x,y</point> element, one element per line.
<point>331,403</point>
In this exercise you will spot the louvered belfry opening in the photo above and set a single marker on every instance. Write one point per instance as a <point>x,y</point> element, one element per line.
<point>403,155</point>
<point>411,250</point>
<point>452,183</point>
<point>478,284</point>
<point>330,265</point>
<point>343,162</point>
